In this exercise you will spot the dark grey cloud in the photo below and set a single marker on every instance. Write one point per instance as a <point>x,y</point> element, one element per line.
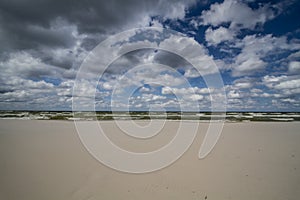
<point>171,59</point>
<point>144,56</point>
<point>61,33</point>
<point>27,24</point>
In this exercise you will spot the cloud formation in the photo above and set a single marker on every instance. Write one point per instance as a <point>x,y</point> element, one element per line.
<point>42,50</point>
<point>238,14</point>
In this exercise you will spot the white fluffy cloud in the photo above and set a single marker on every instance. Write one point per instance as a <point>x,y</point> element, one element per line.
<point>221,34</point>
<point>294,67</point>
<point>287,85</point>
<point>191,73</point>
<point>194,52</point>
<point>237,13</point>
<point>255,49</point>
<point>25,65</point>
<point>233,95</point>
<point>248,66</point>
<point>243,83</point>
<point>38,68</point>
<point>196,97</point>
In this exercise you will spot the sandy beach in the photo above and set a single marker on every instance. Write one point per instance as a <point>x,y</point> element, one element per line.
<point>46,160</point>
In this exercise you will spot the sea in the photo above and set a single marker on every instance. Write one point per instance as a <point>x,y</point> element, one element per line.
<point>144,115</point>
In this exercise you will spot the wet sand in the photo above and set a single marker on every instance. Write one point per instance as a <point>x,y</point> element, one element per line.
<point>46,160</point>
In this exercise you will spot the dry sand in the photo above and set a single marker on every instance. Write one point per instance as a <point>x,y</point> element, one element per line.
<point>41,160</point>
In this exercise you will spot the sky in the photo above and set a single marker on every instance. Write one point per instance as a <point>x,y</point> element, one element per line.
<point>254,46</point>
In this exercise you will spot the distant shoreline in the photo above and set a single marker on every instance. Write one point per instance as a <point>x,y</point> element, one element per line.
<point>144,115</point>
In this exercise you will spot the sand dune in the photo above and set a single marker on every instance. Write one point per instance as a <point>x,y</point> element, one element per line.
<point>46,160</point>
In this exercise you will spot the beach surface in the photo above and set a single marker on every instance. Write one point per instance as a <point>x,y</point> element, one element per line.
<point>45,159</point>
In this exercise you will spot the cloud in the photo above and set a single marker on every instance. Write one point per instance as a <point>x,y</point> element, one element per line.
<point>248,66</point>
<point>167,90</point>
<point>255,50</point>
<point>237,13</point>
<point>196,97</point>
<point>172,98</point>
<point>233,95</point>
<point>24,65</point>
<point>154,75</point>
<point>191,94</point>
<point>294,56</point>
<point>144,89</point>
<point>42,49</point>
<point>243,83</point>
<point>191,73</point>
<point>19,93</point>
<point>156,23</point>
<point>236,16</point>
<point>286,85</point>
<point>33,26</point>
<point>221,34</point>
<point>107,86</point>
<point>196,53</point>
<point>60,34</point>
<point>294,67</point>
<point>165,52</point>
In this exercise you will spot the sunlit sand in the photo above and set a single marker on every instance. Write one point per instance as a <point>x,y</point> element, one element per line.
<point>46,160</point>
